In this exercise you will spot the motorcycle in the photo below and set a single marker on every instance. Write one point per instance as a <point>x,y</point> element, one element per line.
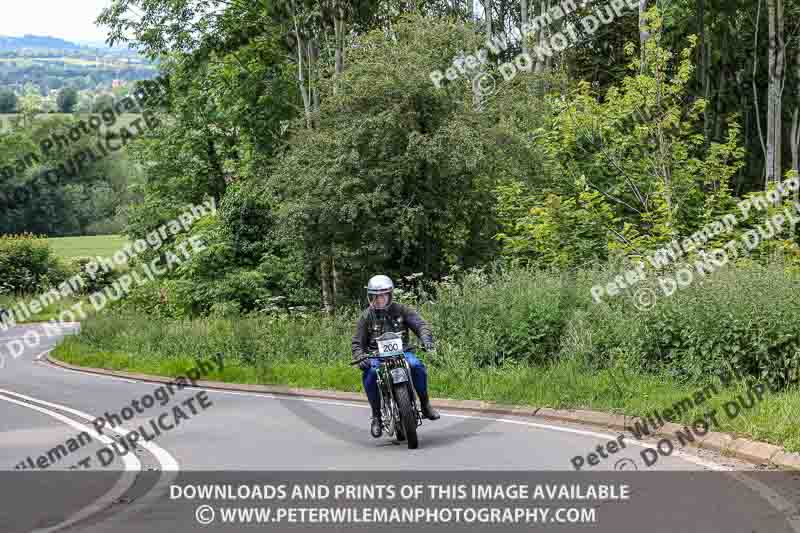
<point>400,412</point>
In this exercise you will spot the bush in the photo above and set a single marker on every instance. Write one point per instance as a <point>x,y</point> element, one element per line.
<point>93,283</point>
<point>27,265</point>
<point>745,317</point>
<point>491,319</point>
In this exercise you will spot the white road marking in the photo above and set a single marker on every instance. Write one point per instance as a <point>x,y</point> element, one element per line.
<point>169,465</point>
<point>39,357</point>
<point>125,482</point>
<point>778,502</point>
<point>167,461</point>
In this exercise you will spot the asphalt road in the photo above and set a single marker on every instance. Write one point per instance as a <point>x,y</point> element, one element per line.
<point>97,484</point>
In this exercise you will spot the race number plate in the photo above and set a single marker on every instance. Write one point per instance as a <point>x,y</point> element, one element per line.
<point>399,375</point>
<point>390,347</point>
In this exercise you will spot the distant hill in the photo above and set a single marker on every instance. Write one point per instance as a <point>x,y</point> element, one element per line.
<point>35,41</point>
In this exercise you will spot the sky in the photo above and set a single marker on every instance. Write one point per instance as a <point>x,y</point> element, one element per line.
<point>72,20</point>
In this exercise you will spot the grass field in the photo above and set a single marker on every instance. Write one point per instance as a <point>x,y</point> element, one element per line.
<point>88,246</point>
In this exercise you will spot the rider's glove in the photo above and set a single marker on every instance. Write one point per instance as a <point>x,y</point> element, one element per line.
<point>429,347</point>
<point>364,364</point>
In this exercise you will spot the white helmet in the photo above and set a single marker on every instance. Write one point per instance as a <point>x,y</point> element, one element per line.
<point>379,285</point>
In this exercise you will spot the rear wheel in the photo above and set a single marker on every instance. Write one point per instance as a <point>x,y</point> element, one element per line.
<point>408,419</point>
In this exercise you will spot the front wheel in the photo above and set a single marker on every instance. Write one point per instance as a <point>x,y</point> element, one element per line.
<point>408,419</point>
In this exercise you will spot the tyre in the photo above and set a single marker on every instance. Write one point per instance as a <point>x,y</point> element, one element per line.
<point>408,418</point>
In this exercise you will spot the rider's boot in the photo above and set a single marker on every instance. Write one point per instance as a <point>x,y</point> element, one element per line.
<point>377,426</point>
<point>427,409</point>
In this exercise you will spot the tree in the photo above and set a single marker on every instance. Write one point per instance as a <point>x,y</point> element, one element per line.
<point>105,101</point>
<point>398,175</point>
<point>67,100</point>
<point>30,105</point>
<point>8,101</point>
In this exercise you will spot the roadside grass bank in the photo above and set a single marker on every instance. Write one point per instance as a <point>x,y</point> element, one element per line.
<point>521,337</point>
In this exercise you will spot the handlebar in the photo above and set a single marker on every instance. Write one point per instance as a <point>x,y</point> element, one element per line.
<point>375,355</point>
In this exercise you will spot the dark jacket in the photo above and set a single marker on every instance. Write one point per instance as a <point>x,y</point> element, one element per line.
<point>396,318</point>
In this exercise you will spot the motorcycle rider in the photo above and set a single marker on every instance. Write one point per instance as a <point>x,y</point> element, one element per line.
<point>383,315</point>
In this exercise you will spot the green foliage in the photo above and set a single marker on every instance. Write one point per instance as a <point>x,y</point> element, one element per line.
<point>94,281</point>
<point>80,199</point>
<point>629,170</point>
<point>8,101</point>
<point>743,318</point>
<point>563,231</point>
<point>27,265</point>
<point>378,184</point>
<point>102,103</point>
<point>67,100</point>
<point>504,317</point>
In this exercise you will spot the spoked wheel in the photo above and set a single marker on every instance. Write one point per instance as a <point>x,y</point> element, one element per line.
<point>408,419</point>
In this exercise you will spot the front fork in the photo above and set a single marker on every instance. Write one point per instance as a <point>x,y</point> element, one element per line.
<point>415,395</point>
<point>388,403</point>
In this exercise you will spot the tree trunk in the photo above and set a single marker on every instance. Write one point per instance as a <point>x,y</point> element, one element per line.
<point>707,114</point>
<point>487,11</point>
<point>794,137</point>
<point>337,280</point>
<point>701,28</point>
<point>326,283</point>
<point>540,63</point>
<point>755,85</point>
<point>339,34</point>
<point>216,178</point>
<point>313,62</point>
<point>748,121</point>
<point>719,114</point>
<point>301,79</point>
<point>548,59</point>
<point>643,33</point>
<point>524,21</point>
<point>775,96</point>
